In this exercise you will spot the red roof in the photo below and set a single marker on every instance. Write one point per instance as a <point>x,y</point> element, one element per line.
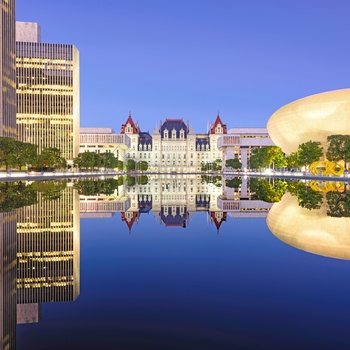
<point>130,221</point>
<point>217,122</point>
<point>214,219</point>
<point>135,128</point>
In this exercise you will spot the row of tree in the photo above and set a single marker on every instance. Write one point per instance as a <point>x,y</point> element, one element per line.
<point>273,156</point>
<point>16,154</point>
<point>92,160</point>
<point>338,203</point>
<point>132,165</point>
<point>20,155</point>
<point>212,166</point>
<point>14,195</point>
<point>307,153</point>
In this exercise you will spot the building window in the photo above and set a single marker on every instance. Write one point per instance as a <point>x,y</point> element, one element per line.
<point>218,129</point>
<point>173,134</point>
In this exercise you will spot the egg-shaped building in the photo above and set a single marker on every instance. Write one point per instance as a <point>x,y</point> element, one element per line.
<point>310,230</point>
<point>311,118</point>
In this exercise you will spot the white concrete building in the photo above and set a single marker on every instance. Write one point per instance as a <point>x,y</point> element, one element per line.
<point>102,140</point>
<point>239,142</point>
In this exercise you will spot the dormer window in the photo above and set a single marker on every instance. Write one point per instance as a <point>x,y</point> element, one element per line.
<point>173,134</point>
<point>166,134</point>
<point>128,128</point>
<point>218,129</point>
<point>182,134</point>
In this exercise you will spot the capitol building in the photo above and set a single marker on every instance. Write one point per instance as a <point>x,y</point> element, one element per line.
<point>174,146</point>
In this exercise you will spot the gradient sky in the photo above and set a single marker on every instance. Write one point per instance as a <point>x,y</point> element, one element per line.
<point>192,58</point>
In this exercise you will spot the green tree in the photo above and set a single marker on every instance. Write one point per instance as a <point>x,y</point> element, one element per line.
<point>50,158</point>
<point>233,183</point>
<point>142,180</point>
<point>217,165</point>
<point>130,181</point>
<point>27,154</point>
<point>264,157</point>
<point>233,163</point>
<point>338,204</point>
<point>293,160</point>
<point>88,160</point>
<point>279,159</point>
<point>257,159</point>
<point>85,187</point>
<point>309,152</point>
<point>120,165</point>
<point>9,149</point>
<point>205,166</point>
<point>107,186</point>
<point>267,190</point>
<point>338,148</point>
<point>92,187</point>
<point>14,195</point>
<point>142,165</point>
<point>110,161</point>
<point>130,165</point>
<point>50,190</point>
<point>307,197</point>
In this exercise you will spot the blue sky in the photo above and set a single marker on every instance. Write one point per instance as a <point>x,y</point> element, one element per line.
<point>192,58</point>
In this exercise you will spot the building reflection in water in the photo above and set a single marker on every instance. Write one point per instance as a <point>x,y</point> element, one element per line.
<point>174,199</point>
<point>310,230</point>
<point>40,243</point>
<point>48,254</point>
<point>8,249</point>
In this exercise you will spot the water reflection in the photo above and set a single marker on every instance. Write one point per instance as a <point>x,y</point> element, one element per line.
<point>40,245</point>
<point>40,225</point>
<point>313,231</point>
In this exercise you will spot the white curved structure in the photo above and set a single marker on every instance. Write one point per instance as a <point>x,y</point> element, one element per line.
<point>312,231</point>
<point>311,118</point>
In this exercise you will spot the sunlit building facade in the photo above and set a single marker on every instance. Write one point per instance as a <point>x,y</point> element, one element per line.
<point>174,146</point>
<point>48,253</point>
<point>7,68</point>
<point>48,97</point>
<point>312,118</point>
<point>103,140</point>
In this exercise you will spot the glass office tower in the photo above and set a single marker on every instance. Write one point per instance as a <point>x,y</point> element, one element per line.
<point>48,106</point>
<point>7,69</point>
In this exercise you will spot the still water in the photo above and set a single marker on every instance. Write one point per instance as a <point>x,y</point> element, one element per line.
<point>179,263</point>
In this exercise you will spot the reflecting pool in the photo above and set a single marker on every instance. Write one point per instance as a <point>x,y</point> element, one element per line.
<point>175,262</point>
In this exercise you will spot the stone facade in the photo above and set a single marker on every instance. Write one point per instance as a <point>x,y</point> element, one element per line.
<point>174,146</point>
